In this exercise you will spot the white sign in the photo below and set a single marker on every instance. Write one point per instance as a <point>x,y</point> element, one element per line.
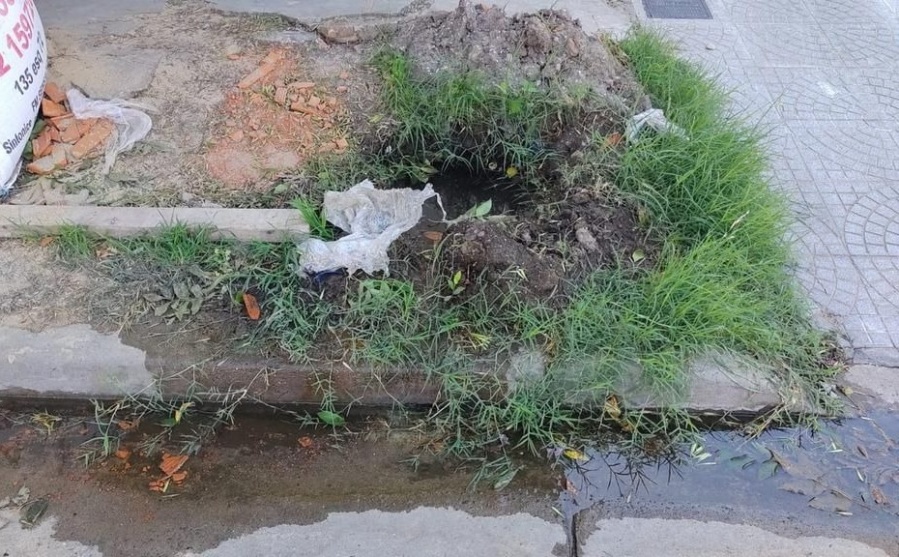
<point>23,71</point>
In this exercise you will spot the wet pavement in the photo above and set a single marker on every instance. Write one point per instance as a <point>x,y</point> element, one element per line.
<point>270,484</point>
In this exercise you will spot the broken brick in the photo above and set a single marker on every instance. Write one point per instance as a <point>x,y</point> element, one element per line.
<point>53,92</point>
<point>313,101</point>
<point>281,96</point>
<point>41,144</point>
<point>95,138</point>
<point>84,126</point>
<point>59,156</point>
<point>51,109</point>
<point>237,136</point>
<point>341,143</point>
<point>43,165</point>
<point>70,134</point>
<point>265,67</point>
<point>302,85</point>
<point>63,122</point>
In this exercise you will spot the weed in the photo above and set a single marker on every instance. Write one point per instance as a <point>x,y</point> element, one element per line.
<point>314,217</point>
<point>75,242</point>
<point>461,120</point>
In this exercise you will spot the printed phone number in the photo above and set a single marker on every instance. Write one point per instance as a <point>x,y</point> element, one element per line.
<point>20,37</point>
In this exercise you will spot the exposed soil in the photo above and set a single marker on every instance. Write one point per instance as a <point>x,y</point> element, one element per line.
<point>547,46</point>
<point>235,113</point>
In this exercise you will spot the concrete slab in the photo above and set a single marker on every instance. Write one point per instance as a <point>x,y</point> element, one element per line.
<point>266,225</point>
<point>881,383</point>
<point>104,71</point>
<point>74,361</point>
<point>633,537</point>
<point>65,13</point>
<point>310,13</point>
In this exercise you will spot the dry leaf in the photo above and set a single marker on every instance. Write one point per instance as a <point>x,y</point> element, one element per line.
<point>305,442</point>
<point>47,240</point>
<point>127,425</point>
<point>106,252</point>
<point>611,408</point>
<point>252,306</point>
<point>172,463</point>
<point>613,139</point>
<point>433,235</point>
<point>574,454</point>
<point>878,496</point>
<point>123,453</point>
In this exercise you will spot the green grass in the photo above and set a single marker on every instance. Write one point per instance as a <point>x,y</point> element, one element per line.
<point>459,119</point>
<point>719,283</point>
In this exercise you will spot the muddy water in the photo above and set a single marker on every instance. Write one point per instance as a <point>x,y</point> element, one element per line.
<point>269,471</point>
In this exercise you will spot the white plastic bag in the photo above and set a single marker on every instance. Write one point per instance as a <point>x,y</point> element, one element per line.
<point>23,71</point>
<point>655,119</point>
<point>374,219</point>
<point>131,123</point>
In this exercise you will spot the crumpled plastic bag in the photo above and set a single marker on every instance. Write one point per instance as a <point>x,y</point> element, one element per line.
<point>373,218</point>
<point>653,118</point>
<point>131,121</point>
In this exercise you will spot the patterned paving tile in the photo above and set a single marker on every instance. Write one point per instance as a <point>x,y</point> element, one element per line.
<point>830,70</point>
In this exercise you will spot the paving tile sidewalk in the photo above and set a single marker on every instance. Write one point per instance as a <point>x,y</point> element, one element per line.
<point>823,75</point>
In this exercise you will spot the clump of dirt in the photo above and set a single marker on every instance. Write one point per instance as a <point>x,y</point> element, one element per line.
<point>547,46</point>
<point>488,249</point>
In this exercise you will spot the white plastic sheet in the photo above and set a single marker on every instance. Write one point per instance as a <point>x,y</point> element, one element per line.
<point>131,122</point>
<point>655,119</point>
<point>373,218</point>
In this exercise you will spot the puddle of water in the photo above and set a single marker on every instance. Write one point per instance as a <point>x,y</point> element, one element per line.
<point>848,469</point>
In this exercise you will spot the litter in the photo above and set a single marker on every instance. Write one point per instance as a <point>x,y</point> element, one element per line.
<point>373,218</point>
<point>655,119</point>
<point>131,122</point>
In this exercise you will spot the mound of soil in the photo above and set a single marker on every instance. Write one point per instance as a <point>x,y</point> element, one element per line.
<point>542,47</point>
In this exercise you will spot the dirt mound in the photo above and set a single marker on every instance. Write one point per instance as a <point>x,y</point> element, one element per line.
<point>547,46</point>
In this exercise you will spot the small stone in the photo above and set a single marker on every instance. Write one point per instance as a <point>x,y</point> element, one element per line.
<point>339,33</point>
<point>281,96</point>
<point>342,89</point>
<point>237,136</point>
<point>710,46</point>
<point>572,48</point>
<point>586,239</point>
<point>344,75</point>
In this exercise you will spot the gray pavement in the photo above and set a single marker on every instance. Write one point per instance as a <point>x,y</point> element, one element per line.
<point>823,75</point>
<point>440,532</point>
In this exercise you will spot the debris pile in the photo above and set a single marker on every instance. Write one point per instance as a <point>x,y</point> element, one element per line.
<point>63,140</point>
<point>273,121</point>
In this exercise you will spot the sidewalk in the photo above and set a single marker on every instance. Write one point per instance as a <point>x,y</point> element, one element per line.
<point>824,77</point>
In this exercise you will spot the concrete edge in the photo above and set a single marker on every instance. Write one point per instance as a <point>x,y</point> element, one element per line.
<point>266,225</point>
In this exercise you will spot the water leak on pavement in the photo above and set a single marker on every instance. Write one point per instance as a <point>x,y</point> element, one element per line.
<point>848,468</point>
<point>267,471</point>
